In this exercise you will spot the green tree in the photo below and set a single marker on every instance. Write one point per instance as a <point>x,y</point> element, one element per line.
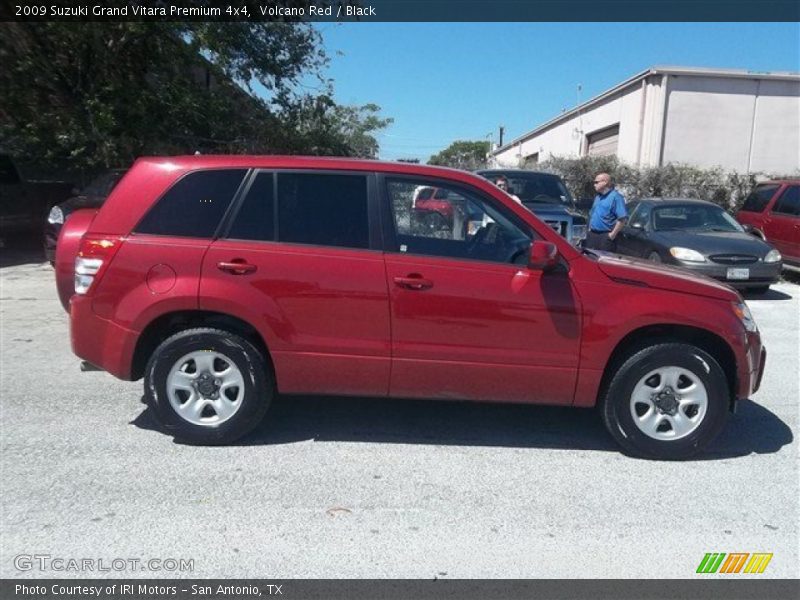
<point>462,155</point>
<point>98,95</point>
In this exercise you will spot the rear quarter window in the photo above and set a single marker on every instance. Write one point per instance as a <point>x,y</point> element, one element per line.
<point>194,205</point>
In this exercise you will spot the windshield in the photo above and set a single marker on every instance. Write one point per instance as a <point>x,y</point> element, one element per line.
<point>694,217</point>
<point>534,187</point>
<point>102,185</point>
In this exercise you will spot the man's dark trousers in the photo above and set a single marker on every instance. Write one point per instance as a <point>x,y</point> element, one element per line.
<point>599,240</point>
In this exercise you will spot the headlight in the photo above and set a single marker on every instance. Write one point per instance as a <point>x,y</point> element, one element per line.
<point>686,254</point>
<point>772,256</point>
<point>745,316</point>
<point>55,216</point>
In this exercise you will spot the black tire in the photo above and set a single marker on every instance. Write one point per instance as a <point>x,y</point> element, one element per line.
<point>259,387</point>
<point>654,257</point>
<point>616,403</point>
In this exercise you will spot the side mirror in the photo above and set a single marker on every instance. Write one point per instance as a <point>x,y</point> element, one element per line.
<point>638,225</point>
<point>544,256</point>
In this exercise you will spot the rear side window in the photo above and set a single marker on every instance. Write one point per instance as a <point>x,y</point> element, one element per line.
<point>789,202</point>
<point>256,218</point>
<point>194,205</point>
<point>759,198</point>
<point>322,209</point>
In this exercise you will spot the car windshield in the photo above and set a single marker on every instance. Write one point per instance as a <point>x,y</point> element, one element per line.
<point>103,184</point>
<point>694,217</point>
<point>534,187</point>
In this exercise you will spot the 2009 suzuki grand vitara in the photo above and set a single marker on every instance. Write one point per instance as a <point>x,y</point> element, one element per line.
<point>223,280</point>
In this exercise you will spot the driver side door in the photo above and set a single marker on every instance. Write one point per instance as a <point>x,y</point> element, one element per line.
<point>469,319</point>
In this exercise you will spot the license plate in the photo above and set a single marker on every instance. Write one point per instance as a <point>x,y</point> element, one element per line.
<point>738,273</point>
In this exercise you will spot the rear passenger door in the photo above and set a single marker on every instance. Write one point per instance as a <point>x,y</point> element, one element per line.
<point>299,260</point>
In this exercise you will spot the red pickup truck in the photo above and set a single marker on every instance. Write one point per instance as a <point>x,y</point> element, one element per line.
<point>223,280</point>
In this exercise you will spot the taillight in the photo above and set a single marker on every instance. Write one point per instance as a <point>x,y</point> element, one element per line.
<point>94,253</point>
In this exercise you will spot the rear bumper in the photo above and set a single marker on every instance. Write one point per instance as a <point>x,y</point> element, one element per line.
<point>99,341</point>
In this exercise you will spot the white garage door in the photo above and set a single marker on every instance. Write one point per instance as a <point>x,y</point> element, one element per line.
<point>603,142</point>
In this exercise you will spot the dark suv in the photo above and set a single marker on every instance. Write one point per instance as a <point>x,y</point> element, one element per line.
<point>223,280</point>
<point>546,196</point>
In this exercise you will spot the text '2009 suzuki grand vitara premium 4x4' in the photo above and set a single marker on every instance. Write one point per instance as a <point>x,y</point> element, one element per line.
<point>225,280</point>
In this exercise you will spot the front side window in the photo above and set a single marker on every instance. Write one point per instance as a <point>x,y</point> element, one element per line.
<point>194,205</point>
<point>323,209</point>
<point>758,199</point>
<point>466,227</point>
<point>640,216</point>
<point>789,202</point>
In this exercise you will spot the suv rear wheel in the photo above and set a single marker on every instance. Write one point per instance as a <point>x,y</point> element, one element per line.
<point>667,401</point>
<point>208,386</point>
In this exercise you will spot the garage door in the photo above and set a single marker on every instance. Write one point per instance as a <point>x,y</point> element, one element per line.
<point>603,142</point>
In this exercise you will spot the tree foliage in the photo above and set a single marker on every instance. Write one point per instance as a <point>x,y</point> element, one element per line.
<point>462,155</point>
<point>101,94</point>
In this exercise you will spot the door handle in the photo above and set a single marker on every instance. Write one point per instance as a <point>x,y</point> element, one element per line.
<point>415,281</point>
<point>238,266</point>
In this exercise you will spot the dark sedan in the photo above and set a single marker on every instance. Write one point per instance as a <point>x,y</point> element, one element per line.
<point>92,196</point>
<point>702,237</point>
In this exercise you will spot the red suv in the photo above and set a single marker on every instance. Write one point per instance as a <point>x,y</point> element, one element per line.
<point>772,212</point>
<point>225,280</point>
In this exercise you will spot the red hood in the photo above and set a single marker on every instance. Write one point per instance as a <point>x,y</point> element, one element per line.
<point>665,277</point>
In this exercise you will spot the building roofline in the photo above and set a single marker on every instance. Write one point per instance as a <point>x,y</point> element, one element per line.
<point>655,70</point>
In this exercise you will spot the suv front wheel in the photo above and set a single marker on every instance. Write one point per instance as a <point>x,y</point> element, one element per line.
<point>667,401</point>
<point>208,386</point>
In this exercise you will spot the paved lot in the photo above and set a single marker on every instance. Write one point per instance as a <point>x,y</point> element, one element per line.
<point>371,488</point>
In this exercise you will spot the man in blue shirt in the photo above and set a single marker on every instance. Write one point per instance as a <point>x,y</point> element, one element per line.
<point>608,215</point>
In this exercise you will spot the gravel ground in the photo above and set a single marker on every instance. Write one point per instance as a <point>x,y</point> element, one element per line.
<point>337,487</point>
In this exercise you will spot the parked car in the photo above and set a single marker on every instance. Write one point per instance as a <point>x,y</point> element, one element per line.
<point>24,204</point>
<point>432,208</point>
<point>225,280</point>
<point>772,212</point>
<point>546,196</point>
<point>92,196</point>
<point>702,237</point>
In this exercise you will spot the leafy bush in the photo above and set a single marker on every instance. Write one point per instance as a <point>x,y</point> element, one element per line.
<point>726,188</point>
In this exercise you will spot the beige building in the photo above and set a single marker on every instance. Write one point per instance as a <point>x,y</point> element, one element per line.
<point>744,121</point>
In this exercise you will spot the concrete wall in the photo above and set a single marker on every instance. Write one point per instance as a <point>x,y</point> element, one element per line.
<point>738,124</point>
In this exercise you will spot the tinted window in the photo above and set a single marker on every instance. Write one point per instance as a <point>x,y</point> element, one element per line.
<point>789,202</point>
<point>256,217</point>
<point>194,206</point>
<point>470,228</point>
<point>327,210</point>
<point>759,198</point>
